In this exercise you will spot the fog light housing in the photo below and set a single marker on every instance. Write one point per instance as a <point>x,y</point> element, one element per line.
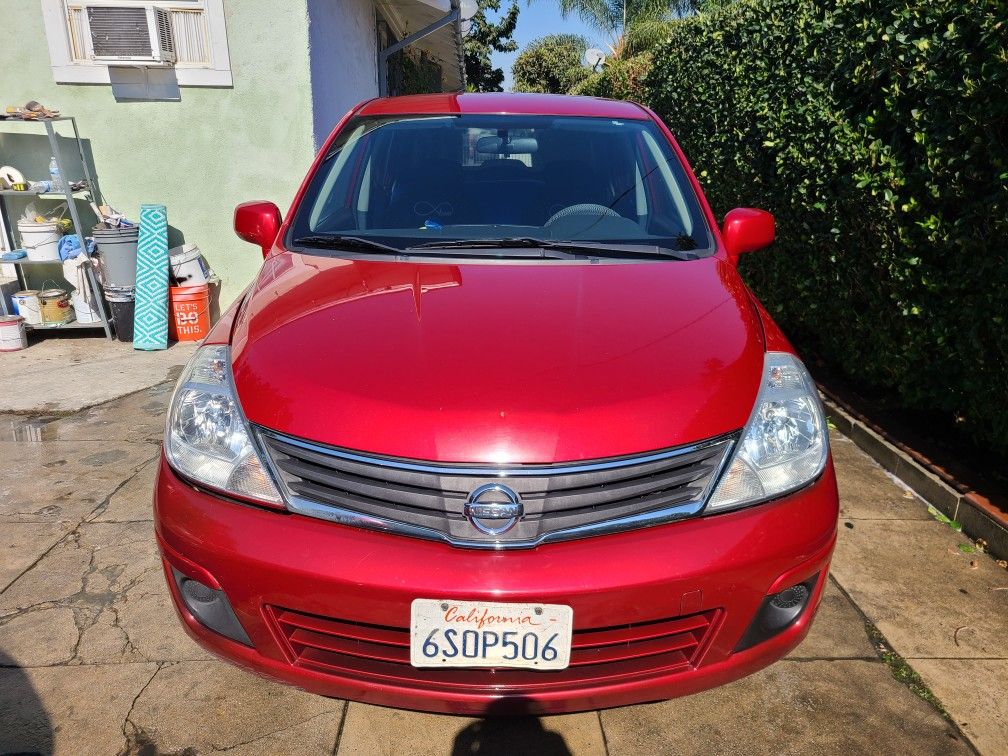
<point>210,607</point>
<point>790,598</point>
<point>778,612</point>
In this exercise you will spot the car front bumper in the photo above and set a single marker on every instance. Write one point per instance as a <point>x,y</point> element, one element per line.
<point>327,607</point>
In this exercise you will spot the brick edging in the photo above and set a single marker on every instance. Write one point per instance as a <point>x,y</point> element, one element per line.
<point>978,517</point>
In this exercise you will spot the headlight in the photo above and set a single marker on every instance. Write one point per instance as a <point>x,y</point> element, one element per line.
<point>207,438</point>
<point>784,444</point>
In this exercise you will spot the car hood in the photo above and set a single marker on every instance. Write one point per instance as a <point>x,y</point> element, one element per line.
<point>497,361</point>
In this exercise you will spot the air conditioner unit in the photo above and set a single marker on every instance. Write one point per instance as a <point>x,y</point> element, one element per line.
<point>135,34</point>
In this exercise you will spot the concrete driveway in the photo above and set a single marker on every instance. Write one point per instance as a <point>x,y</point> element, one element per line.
<point>93,660</point>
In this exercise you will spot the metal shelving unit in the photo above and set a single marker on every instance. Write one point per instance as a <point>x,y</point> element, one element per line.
<point>89,194</point>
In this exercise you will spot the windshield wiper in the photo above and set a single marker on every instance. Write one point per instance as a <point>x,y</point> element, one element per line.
<point>522,248</point>
<point>592,249</point>
<point>349,243</point>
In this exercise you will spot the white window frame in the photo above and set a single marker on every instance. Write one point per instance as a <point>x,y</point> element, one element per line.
<point>66,70</point>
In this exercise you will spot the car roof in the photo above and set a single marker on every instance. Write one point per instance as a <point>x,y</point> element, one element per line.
<point>503,102</point>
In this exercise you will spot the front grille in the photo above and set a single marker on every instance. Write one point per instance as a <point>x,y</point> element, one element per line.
<point>373,653</point>
<point>560,501</point>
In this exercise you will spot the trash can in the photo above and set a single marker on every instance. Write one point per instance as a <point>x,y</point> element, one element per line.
<point>122,302</point>
<point>117,255</point>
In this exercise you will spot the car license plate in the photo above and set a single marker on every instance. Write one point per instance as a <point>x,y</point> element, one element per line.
<point>446,633</point>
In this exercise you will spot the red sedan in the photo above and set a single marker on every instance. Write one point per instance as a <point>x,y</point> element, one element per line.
<point>498,426</point>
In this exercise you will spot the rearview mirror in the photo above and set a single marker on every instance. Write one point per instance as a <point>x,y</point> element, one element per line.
<point>257,222</point>
<point>747,229</point>
<point>491,145</point>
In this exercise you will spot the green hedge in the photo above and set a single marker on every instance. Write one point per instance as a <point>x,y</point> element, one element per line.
<point>875,130</point>
<point>620,80</point>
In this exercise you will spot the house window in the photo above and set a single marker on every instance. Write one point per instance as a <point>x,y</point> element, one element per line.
<point>197,28</point>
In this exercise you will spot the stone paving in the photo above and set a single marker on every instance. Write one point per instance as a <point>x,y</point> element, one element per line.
<point>93,659</point>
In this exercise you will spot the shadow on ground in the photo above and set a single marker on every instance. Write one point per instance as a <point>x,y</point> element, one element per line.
<point>498,734</point>
<point>24,724</point>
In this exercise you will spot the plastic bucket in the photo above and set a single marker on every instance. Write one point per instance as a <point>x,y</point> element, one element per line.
<point>123,305</point>
<point>82,307</point>
<point>12,333</point>
<point>190,312</point>
<point>27,305</point>
<point>117,255</point>
<point>55,307</point>
<point>188,266</point>
<point>40,240</point>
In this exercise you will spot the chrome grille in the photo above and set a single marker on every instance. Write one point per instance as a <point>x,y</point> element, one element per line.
<point>560,501</point>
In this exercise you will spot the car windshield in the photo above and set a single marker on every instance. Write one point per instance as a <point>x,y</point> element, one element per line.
<point>587,185</point>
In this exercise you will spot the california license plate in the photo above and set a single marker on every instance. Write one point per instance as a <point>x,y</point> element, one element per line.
<point>446,633</point>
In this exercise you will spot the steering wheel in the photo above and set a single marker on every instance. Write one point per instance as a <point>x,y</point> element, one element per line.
<point>588,209</point>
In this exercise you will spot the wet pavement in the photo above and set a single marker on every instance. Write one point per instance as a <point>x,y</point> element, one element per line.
<point>93,659</point>
<point>75,370</point>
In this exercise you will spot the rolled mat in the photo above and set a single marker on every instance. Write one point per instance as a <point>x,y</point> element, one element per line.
<point>150,319</point>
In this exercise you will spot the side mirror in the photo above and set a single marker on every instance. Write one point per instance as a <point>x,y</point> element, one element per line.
<point>746,230</point>
<point>257,222</point>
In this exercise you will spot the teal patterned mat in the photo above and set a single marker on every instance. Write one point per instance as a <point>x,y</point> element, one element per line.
<point>150,323</point>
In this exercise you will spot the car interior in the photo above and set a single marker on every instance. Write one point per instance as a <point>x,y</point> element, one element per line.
<point>570,177</point>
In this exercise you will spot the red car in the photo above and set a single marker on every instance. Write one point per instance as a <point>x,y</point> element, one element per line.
<point>498,426</point>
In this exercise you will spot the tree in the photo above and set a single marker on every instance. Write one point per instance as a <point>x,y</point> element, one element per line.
<point>488,36</point>
<point>551,64</point>
<point>633,26</point>
<point>712,6</point>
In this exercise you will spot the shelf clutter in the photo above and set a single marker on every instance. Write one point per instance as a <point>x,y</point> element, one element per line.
<point>122,276</point>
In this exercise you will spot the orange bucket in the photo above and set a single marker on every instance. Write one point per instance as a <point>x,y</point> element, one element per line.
<point>190,312</point>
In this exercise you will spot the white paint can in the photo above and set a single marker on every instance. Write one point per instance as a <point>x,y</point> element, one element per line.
<point>13,335</point>
<point>28,306</point>
<point>188,266</point>
<point>83,309</point>
<point>40,240</point>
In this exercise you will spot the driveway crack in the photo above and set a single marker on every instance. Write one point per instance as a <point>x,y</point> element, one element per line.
<point>605,740</point>
<point>130,737</point>
<point>74,532</point>
<point>903,672</point>
<point>270,734</point>
<point>339,731</point>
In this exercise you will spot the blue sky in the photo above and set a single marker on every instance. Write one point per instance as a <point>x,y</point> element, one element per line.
<point>537,20</point>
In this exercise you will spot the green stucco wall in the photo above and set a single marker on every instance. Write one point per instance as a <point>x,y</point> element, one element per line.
<point>199,156</point>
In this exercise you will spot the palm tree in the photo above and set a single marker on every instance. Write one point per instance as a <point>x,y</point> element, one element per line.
<point>631,25</point>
